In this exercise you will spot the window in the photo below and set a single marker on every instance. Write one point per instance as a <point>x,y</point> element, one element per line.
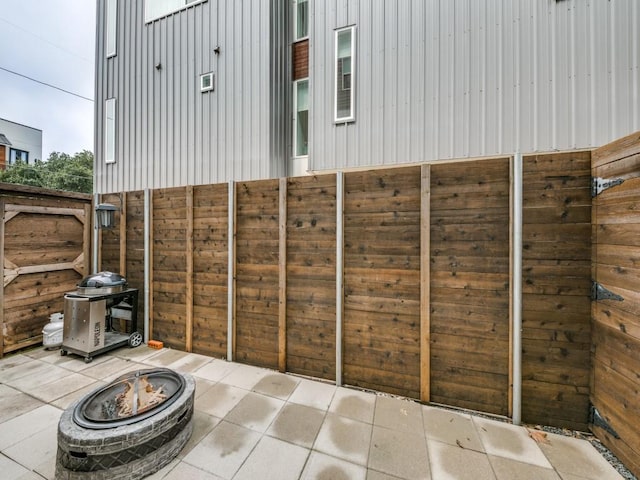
<point>345,74</point>
<point>16,155</point>
<point>300,19</point>
<point>206,82</point>
<point>110,131</point>
<point>154,9</point>
<point>301,119</point>
<point>112,27</point>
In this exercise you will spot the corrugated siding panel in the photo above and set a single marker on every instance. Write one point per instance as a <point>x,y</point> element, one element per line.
<point>168,132</point>
<point>440,79</point>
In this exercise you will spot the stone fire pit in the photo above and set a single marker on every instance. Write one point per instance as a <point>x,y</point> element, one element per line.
<point>127,429</point>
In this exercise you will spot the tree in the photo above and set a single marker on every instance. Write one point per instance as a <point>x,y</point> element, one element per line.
<point>60,172</point>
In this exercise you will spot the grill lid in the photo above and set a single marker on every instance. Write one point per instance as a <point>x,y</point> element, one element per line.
<point>103,279</point>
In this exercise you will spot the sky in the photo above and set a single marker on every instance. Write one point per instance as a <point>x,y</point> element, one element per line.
<point>51,41</point>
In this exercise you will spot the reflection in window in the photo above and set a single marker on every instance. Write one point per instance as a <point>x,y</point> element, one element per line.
<point>301,99</point>
<point>110,131</point>
<point>344,91</point>
<point>301,19</point>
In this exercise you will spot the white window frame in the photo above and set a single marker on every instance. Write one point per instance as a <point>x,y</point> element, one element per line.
<point>110,109</point>
<point>295,116</point>
<point>295,20</point>
<point>111,28</point>
<point>183,5</point>
<point>352,94</point>
<point>203,86</point>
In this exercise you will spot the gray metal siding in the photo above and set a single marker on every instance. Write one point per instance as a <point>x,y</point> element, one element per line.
<point>168,132</point>
<point>440,79</point>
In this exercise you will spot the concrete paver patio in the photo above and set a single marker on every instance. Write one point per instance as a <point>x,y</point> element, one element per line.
<point>253,423</point>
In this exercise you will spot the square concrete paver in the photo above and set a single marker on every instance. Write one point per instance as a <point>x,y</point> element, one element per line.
<point>297,424</point>
<point>276,385</point>
<point>313,394</point>
<point>451,427</point>
<point>255,411</point>
<point>399,453</point>
<point>24,426</point>
<point>183,471</point>
<point>577,457</point>
<point>224,450</point>
<point>398,414</point>
<point>189,363</point>
<point>219,399</point>
<point>203,424</point>
<point>273,459</point>
<point>14,403</point>
<point>324,467</point>
<point>510,441</point>
<point>245,376</point>
<point>344,438</point>
<point>450,462</point>
<point>37,452</point>
<point>353,404</point>
<point>13,470</point>
<point>215,370</point>
<point>507,469</point>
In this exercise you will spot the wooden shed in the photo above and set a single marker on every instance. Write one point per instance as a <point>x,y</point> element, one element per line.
<point>44,251</point>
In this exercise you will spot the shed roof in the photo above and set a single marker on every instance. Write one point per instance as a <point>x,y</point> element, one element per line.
<point>4,140</point>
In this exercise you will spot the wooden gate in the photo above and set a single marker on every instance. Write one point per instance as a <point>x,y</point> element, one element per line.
<point>615,389</point>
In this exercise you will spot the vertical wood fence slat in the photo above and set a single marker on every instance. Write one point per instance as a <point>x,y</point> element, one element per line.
<point>189,277</point>
<point>123,235</point>
<point>282,277</point>
<point>425,255</point>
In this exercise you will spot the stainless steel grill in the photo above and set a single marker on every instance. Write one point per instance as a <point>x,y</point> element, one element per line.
<point>99,316</point>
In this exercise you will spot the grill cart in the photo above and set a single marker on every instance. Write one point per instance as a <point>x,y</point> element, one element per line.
<point>99,316</point>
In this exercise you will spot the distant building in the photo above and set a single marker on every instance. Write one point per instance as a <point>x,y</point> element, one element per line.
<point>19,142</point>
<point>205,91</point>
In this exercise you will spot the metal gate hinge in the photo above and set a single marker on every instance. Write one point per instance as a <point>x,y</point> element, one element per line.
<point>599,185</point>
<point>598,420</point>
<point>598,292</point>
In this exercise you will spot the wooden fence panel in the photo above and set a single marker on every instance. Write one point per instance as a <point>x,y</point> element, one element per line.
<point>381,333</point>
<point>311,276</point>
<point>556,288</point>
<point>44,254</point>
<point>110,247</point>
<point>257,272</point>
<point>470,285</point>
<point>615,381</point>
<point>210,269</point>
<point>169,322</point>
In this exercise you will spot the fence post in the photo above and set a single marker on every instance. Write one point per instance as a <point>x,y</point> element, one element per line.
<point>339,272</point>
<point>231,271</point>
<point>147,263</point>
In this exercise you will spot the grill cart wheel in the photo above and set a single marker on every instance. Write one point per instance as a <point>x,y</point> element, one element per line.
<point>135,339</point>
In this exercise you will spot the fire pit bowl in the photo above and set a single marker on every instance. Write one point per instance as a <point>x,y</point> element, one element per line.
<point>128,429</point>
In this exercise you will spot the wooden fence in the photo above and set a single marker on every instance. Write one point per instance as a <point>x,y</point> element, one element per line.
<point>615,377</point>
<point>44,252</point>
<point>398,280</point>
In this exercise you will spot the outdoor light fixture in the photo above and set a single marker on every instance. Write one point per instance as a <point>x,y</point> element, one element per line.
<point>105,215</point>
